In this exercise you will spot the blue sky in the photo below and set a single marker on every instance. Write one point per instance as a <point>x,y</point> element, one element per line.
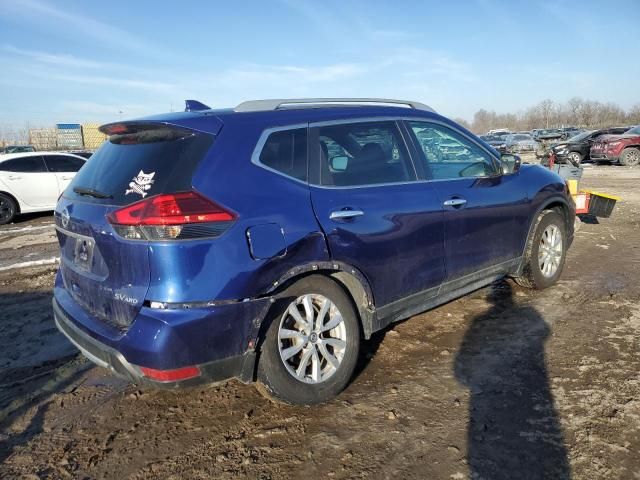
<point>76,61</point>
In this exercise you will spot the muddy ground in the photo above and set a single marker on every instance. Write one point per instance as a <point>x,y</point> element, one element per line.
<point>504,383</point>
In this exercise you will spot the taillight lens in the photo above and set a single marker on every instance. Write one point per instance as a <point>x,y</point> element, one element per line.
<point>185,215</point>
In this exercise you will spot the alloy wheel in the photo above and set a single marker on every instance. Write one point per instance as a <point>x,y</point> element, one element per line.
<point>574,157</point>
<point>312,338</point>
<point>633,157</point>
<point>550,251</point>
<point>6,210</point>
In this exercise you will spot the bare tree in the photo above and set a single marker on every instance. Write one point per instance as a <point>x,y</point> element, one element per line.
<point>463,122</point>
<point>546,110</point>
<point>547,114</point>
<point>633,116</point>
<point>573,107</point>
<point>588,113</point>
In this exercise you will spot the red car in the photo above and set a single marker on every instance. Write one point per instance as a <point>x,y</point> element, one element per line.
<point>623,148</point>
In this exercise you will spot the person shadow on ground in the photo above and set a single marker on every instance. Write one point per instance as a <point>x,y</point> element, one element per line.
<point>513,430</point>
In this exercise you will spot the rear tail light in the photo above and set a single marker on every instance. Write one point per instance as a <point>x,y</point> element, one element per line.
<point>176,216</point>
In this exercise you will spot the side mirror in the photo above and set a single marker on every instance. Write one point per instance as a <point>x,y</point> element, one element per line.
<point>339,163</point>
<point>510,163</point>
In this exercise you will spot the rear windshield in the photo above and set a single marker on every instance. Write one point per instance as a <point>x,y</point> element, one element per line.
<point>132,166</point>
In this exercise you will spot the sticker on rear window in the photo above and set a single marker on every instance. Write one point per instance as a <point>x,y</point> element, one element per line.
<point>140,184</point>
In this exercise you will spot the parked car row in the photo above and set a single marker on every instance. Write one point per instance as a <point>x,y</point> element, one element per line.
<point>622,148</point>
<point>577,149</point>
<point>17,149</point>
<point>33,181</point>
<point>575,145</point>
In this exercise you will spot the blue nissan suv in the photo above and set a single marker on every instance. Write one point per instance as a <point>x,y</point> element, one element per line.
<point>266,242</point>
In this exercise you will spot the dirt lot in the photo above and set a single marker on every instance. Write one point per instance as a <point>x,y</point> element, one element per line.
<point>505,383</point>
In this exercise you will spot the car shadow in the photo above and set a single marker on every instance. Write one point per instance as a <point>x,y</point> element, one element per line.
<point>513,428</point>
<point>36,363</point>
<point>28,217</point>
<point>588,219</point>
<point>368,349</point>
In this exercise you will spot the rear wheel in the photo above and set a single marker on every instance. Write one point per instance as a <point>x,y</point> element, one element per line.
<point>310,350</point>
<point>630,157</point>
<point>8,209</point>
<point>546,252</point>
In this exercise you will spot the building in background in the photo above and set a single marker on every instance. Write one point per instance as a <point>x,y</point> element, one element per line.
<point>65,136</point>
<point>91,136</point>
<point>69,136</point>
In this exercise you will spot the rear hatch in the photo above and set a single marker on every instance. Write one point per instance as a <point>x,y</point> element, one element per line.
<point>107,274</point>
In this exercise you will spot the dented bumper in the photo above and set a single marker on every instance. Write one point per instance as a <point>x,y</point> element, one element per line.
<point>219,340</point>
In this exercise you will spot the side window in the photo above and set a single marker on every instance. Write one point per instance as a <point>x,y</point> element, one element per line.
<point>363,154</point>
<point>63,163</point>
<point>32,164</point>
<point>286,151</point>
<point>448,154</point>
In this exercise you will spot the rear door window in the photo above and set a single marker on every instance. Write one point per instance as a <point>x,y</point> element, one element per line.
<point>30,164</point>
<point>153,160</point>
<point>63,163</point>
<point>285,151</point>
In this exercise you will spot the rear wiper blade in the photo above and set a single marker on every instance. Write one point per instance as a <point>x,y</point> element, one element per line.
<point>90,192</point>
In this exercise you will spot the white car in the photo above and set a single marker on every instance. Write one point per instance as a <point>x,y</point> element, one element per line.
<point>33,181</point>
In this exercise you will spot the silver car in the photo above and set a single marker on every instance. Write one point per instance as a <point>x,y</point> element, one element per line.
<point>521,142</point>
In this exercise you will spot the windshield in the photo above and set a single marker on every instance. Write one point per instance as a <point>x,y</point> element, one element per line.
<point>521,137</point>
<point>581,136</point>
<point>634,130</point>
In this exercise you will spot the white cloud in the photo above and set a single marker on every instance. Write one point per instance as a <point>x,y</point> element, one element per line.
<point>115,82</point>
<point>287,74</point>
<point>102,80</point>
<point>91,110</point>
<point>58,59</point>
<point>49,16</point>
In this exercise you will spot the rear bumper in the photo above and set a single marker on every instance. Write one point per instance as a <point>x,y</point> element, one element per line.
<point>219,340</point>
<point>107,357</point>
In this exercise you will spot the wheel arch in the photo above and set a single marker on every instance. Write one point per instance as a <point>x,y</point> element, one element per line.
<point>349,278</point>
<point>15,200</point>
<point>557,203</point>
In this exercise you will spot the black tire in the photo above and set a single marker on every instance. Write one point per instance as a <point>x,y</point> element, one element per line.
<point>276,381</point>
<point>8,209</point>
<point>630,157</point>
<point>532,275</point>
<point>575,158</point>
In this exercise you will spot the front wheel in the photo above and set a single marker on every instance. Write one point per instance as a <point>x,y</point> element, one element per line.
<point>575,158</point>
<point>311,347</point>
<point>546,252</point>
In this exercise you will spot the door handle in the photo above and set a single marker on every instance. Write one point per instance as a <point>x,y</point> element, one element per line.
<point>15,177</point>
<point>345,214</point>
<point>455,202</point>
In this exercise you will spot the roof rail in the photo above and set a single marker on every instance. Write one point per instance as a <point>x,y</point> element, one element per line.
<point>291,103</point>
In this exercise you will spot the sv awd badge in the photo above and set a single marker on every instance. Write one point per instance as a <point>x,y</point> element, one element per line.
<point>141,183</point>
<point>125,298</point>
